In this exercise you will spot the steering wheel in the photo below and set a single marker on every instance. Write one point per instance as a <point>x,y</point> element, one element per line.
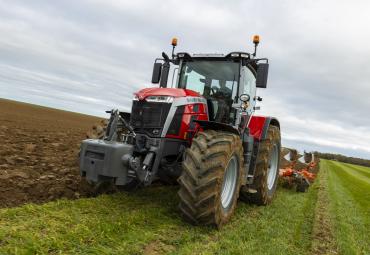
<point>214,90</point>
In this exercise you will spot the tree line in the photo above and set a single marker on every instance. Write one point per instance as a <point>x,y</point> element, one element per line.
<point>344,159</point>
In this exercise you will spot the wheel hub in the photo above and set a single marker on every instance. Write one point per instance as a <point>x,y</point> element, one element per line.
<point>272,167</point>
<point>229,183</point>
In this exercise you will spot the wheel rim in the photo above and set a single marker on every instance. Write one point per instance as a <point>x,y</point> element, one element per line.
<point>229,183</point>
<point>272,167</point>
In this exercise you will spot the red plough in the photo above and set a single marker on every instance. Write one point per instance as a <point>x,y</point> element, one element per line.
<point>298,170</point>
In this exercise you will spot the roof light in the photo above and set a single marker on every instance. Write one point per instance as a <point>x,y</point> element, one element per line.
<point>174,41</point>
<point>235,54</point>
<point>159,99</point>
<point>208,55</point>
<point>256,39</point>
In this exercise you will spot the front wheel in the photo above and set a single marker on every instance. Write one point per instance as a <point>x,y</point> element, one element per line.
<point>267,170</point>
<point>211,178</point>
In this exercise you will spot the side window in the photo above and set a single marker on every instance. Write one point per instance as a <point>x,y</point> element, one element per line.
<point>249,82</point>
<point>193,81</point>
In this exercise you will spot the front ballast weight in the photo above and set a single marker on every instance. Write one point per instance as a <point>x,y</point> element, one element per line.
<point>112,158</point>
<point>101,160</point>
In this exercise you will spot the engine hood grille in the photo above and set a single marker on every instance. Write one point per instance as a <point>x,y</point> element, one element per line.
<point>149,117</point>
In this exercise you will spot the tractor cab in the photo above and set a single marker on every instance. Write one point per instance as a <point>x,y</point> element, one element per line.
<point>227,82</point>
<point>220,80</point>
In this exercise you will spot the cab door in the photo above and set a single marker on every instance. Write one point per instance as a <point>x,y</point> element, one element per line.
<point>247,86</point>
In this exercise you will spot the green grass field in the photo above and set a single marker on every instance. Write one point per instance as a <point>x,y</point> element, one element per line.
<point>349,192</point>
<point>147,222</point>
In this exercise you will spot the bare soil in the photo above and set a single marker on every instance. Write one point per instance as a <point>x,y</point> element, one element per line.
<point>38,153</point>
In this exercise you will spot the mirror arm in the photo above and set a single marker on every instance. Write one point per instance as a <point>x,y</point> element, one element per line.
<point>164,75</point>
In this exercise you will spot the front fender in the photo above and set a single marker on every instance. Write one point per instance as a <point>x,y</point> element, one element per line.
<point>205,124</point>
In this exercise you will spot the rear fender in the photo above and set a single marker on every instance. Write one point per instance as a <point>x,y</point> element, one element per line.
<point>259,125</point>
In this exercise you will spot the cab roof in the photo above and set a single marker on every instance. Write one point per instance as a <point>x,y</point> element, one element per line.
<point>231,55</point>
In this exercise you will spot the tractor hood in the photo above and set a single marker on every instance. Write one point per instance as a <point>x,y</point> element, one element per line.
<point>142,94</point>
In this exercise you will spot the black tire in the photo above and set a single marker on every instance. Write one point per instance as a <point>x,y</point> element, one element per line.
<point>264,194</point>
<point>166,177</point>
<point>201,180</point>
<point>98,130</point>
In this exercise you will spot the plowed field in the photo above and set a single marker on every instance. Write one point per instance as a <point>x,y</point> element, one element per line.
<point>38,153</point>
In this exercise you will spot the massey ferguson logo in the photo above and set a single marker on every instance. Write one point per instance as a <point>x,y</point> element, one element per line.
<point>196,100</point>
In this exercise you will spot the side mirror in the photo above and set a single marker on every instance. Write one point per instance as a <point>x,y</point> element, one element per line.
<point>157,70</point>
<point>165,56</point>
<point>262,74</point>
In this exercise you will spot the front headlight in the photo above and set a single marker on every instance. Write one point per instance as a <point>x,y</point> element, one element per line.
<point>159,99</point>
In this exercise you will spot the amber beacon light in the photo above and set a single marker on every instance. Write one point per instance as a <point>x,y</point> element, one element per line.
<point>174,41</point>
<point>256,39</point>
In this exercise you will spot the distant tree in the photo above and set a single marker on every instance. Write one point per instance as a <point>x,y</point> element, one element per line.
<point>344,159</point>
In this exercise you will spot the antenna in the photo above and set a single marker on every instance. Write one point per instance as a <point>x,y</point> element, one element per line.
<point>256,41</point>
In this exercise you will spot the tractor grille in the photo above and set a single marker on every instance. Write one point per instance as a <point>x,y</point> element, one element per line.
<point>149,118</point>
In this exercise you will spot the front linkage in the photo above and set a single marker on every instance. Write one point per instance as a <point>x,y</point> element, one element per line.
<point>113,156</point>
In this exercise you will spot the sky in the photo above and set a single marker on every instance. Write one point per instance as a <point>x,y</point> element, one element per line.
<point>90,56</point>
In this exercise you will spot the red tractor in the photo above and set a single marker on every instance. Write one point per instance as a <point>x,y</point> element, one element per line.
<point>200,131</point>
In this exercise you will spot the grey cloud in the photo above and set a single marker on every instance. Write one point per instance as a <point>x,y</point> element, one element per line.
<point>89,56</point>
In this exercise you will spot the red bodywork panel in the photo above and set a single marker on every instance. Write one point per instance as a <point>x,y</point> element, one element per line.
<point>187,129</point>
<point>165,92</point>
<point>192,111</point>
<point>256,125</point>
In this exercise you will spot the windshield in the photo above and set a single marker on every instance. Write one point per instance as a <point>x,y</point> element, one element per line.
<point>217,81</point>
<point>210,77</point>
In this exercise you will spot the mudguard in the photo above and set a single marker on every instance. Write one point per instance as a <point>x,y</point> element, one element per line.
<point>258,126</point>
<point>205,124</point>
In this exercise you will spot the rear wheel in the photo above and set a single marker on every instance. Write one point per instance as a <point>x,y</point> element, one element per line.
<point>267,170</point>
<point>211,178</point>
